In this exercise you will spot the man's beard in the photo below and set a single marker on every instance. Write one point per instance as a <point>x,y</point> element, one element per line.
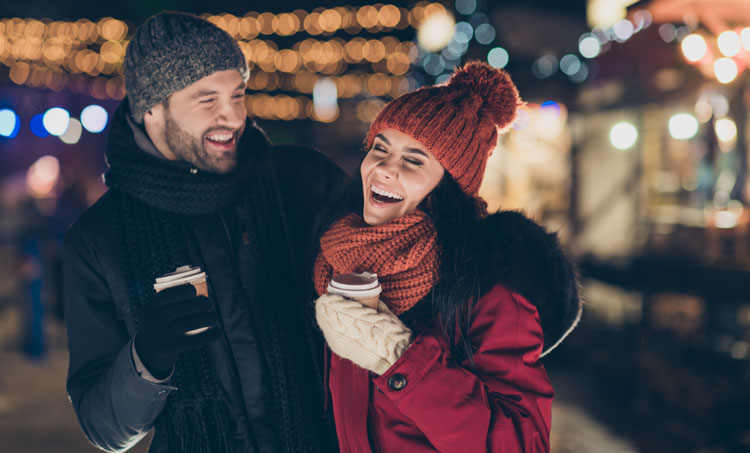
<point>193,149</point>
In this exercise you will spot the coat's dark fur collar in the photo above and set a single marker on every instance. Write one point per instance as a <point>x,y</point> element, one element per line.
<point>522,256</point>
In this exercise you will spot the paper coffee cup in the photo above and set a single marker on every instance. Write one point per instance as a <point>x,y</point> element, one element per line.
<point>361,287</point>
<point>185,275</point>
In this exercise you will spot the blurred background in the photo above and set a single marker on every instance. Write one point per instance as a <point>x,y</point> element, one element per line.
<point>633,145</point>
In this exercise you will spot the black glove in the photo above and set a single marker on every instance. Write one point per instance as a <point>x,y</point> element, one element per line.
<point>162,333</point>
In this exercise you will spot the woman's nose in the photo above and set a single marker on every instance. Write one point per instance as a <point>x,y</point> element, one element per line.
<point>387,168</point>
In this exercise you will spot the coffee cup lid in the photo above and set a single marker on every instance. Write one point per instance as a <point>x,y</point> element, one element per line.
<point>180,272</point>
<point>182,275</point>
<point>355,281</point>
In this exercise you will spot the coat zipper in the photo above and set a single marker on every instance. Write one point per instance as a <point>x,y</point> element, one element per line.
<point>232,360</point>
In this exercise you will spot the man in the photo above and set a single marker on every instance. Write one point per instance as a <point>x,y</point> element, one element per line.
<point>192,183</point>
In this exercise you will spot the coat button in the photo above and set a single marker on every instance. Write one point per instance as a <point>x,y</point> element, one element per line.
<point>397,382</point>
<point>246,238</point>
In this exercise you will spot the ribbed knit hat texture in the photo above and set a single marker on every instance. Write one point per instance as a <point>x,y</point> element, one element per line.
<point>172,50</point>
<point>458,121</point>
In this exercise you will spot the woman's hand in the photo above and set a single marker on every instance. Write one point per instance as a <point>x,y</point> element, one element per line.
<point>374,340</point>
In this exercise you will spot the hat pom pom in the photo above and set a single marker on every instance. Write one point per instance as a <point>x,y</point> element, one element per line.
<point>499,93</point>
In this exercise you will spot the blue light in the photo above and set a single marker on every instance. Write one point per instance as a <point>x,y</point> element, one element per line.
<point>466,7</point>
<point>434,64</point>
<point>552,105</point>
<point>498,57</point>
<point>484,34</point>
<point>37,125</point>
<point>9,123</point>
<point>463,32</point>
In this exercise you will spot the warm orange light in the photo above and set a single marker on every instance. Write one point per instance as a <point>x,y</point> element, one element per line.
<point>368,16</point>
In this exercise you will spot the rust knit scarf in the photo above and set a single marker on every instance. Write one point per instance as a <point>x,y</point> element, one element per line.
<point>402,252</point>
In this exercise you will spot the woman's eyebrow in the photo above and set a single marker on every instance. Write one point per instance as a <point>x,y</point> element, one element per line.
<point>382,137</point>
<point>415,151</point>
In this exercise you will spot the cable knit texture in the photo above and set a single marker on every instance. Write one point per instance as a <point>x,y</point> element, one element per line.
<point>374,340</point>
<point>458,122</point>
<point>403,252</point>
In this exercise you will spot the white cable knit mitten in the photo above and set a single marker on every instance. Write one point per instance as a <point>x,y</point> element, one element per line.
<point>374,340</point>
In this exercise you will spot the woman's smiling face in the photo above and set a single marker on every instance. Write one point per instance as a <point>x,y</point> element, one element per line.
<point>398,172</point>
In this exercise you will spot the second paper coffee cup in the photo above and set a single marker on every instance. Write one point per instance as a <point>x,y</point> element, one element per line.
<point>362,287</point>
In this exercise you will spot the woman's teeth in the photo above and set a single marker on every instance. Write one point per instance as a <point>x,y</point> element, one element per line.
<point>384,195</point>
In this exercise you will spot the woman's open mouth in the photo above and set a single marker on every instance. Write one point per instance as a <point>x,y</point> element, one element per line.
<point>384,196</point>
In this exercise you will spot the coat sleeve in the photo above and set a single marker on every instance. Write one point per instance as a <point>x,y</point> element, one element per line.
<point>114,405</point>
<point>504,405</point>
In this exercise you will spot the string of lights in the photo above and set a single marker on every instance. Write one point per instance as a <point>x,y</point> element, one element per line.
<point>86,56</point>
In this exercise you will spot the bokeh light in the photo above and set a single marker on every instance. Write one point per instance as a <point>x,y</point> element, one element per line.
<point>703,111</point>
<point>694,47</point>
<point>436,31</point>
<point>729,43</point>
<point>745,38</point>
<point>498,57</point>
<point>683,126</point>
<point>73,133</point>
<point>623,135</point>
<point>56,120</point>
<point>463,32</point>
<point>726,130</point>
<point>42,176</point>
<point>484,34</point>
<point>325,100</point>
<point>9,123</point>
<point>589,46</point>
<point>581,75</point>
<point>570,64</point>
<point>434,64</point>
<point>668,32</point>
<point>544,66</point>
<point>466,7</point>
<point>37,125</point>
<point>623,29</point>
<point>94,118</point>
<point>725,70</point>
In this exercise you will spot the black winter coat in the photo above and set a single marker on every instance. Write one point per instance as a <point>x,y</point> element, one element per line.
<point>115,406</point>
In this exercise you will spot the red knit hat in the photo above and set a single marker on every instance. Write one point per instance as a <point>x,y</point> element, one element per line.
<point>457,122</point>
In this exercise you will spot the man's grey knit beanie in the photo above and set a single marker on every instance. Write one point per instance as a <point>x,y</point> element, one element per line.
<point>172,50</point>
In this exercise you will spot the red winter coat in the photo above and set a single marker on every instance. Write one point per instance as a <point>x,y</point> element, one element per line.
<point>424,402</point>
<point>427,403</point>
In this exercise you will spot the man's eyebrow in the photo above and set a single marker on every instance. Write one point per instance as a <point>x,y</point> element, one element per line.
<point>202,93</point>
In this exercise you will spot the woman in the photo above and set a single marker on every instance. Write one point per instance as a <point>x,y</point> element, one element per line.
<point>450,360</point>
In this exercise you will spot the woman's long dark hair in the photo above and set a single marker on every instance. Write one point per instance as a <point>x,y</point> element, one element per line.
<point>456,217</point>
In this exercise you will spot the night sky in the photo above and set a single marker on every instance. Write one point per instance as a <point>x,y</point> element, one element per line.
<point>136,11</point>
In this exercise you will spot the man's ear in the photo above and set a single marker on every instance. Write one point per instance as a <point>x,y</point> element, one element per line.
<point>154,116</point>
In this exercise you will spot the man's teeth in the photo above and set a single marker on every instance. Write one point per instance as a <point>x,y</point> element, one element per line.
<point>385,193</point>
<point>220,137</point>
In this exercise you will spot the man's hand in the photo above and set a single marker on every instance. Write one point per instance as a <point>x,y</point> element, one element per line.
<point>164,327</point>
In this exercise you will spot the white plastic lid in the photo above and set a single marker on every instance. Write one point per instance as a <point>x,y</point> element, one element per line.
<point>180,272</point>
<point>359,282</point>
<point>182,275</point>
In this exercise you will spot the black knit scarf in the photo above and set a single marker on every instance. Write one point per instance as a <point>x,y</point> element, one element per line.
<point>153,197</point>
